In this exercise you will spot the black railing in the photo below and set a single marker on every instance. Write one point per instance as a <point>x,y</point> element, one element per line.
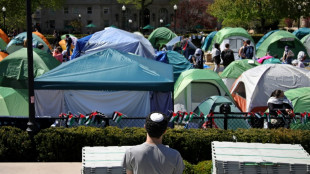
<point>214,120</point>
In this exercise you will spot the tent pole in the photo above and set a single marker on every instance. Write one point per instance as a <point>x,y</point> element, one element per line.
<point>31,122</point>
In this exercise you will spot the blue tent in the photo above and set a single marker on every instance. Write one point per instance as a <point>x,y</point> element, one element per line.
<point>301,32</point>
<point>106,81</point>
<point>175,59</point>
<point>79,46</point>
<point>208,41</point>
<point>178,39</point>
<point>119,40</point>
<point>17,42</point>
<point>261,40</point>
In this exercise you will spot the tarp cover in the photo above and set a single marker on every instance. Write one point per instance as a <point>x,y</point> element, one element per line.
<point>109,70</point>
<point>229,32</point>
<point>79,46</point>
<point>272,61</point>
<point>119,40</point>
<point>17,42</point>
<point>208,41</point>
<point>161,36</point>
<point>259,82</point>
<point>301,32</point>
<point>276,42</point>
<point>300,99</point>
<point>13,102</point>
<point>175,59</point>
<point>213,103</point>
<point>237,67</point>
<point>14,68</point>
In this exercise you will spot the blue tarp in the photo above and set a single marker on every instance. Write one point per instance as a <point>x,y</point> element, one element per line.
<point>261,40</point>
<point>301,32</point>
<point>175,59</point>
<point>79,46</point>
<point>119,40</point>
<point>208,41</point>
<point>109,70</point>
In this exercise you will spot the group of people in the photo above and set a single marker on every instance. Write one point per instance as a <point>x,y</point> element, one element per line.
<point>60,54</point>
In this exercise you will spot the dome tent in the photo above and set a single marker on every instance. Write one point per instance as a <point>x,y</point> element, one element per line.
<point>194,86</point>
<point>233,36</point>
<point>13,102</point>
<point>306,42</point>
<point>276,42</point>
<point>300,98</point>
<point>208,40</point>
<point>253,88</point>
<point>161,36</point>
<point>301,32</point>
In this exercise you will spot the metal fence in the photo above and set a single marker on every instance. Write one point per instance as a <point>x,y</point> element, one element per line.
<point>214,120</point>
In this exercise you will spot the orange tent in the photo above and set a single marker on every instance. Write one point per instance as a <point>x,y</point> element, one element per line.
<point>43,38</point>
<point>2,55</point>
<point>5,37</point>
<point>62,43</point>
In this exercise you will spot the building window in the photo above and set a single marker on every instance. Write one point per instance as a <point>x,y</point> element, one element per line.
<point>89,22</point>
<point>66,10</point>
<point>52,23</point>
<point>106,23</point>
<point>116,17</point>
<point>89,10</point>
<point>75,11</point>
<point>106,11</point>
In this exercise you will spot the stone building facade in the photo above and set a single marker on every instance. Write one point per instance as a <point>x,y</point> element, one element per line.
<point>102,13</point>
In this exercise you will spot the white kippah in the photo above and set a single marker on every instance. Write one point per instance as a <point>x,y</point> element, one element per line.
<point>157,117</point>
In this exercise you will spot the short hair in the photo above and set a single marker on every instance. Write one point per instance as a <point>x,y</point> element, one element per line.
<point>217,45</point>
<point>227,45</point>
<point>67,35</point>
<point>40,46</point>
<point>276,93</point>
<point>248,41</point>
<point>156,129</point>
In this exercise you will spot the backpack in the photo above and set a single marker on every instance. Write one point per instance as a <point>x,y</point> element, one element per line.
<point>249,51</point>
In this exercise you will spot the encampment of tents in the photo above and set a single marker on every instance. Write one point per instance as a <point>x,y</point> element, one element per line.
<point>235,69</point>
<point>14,68</point>
<point>17,42</point>
<point>106,81</point>
<point>119,40</point>
<point>178,61</point>
<point>194,86</point>
<point>233,36</point>
<point>261,40</point>
<point>213,104</point>
<point>208,40</point>
<point>160,36</point>
<point>300,99</point>
<point>306,42</point>
<point>276,42</point>
<point>301,32</point>
<point>13,102</point>
<point>177,40</point>
<point>253,88</point>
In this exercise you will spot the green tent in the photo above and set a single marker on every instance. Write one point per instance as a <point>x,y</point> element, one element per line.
<point>272,61</point>
<point>13,102</point>
<point>228,32</point>
<point>213,103</point>
<point>196,85</point>
<point>14,68</point>
<point>64,36</point>
<point>3,44</point>
<point>148,27</point>
<point>300,98</point>
<point>235,69</point>
<point>90,26</point>
<point>276,42</point>
<point>306,41</point>
<point>161,36</point>
<point>17,42</point>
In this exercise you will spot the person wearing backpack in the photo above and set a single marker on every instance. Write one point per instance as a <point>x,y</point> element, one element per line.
<point>249,50</point>
<point>227,56</point>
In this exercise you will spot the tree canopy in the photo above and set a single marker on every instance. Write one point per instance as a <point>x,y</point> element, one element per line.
<point>16,10</point>
<point>257,14</point>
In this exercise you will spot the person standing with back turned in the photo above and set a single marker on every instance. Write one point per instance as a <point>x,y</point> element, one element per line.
<point>152,157</point>
<point>68,45</point>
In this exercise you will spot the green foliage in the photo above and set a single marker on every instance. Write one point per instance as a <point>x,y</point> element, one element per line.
<point>15,145</point>
<point>203,167</point>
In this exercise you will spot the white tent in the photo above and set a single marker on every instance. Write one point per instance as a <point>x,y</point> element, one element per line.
<point>253,88</point>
